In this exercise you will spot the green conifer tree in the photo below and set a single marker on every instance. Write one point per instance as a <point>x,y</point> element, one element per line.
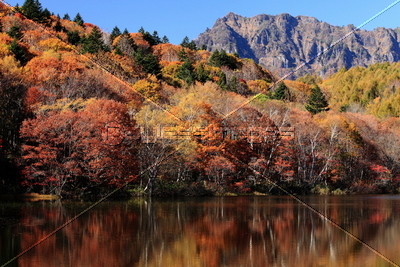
<point>188,44</point>
<point>58,27</point>
<point>221,58</point>
<point>19,52</point>
<point>94,42</point>
<point>182,55</point>
<point>201,74</point>
<point>185,42</point>
<point>32,9</point>
<point>78,20</point>
<point>192,45</point>
<point>115,33</point>
<point>148,61</point>
<point>73,37</point>
<point>282,92</point>
<point>186,72</point>
<point>233,84</point>
<point>45,15</point>
<point>15,32</point>
<point>317,101</point>
<point>156,38</point>
<point>222,80</point>
<point>165,40</point>
<point>151,39</point>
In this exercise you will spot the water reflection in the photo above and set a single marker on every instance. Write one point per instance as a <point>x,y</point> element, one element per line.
<point>229,231</point>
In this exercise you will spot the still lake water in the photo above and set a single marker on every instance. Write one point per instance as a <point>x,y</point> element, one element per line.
<point>217,231</point>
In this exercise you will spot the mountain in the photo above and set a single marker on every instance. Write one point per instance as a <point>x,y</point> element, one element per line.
<point>281,43</point>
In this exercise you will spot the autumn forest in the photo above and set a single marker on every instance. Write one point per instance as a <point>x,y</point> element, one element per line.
<point>84,112</point>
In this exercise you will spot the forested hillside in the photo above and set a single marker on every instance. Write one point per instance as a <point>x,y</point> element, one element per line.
<point>83,112</point>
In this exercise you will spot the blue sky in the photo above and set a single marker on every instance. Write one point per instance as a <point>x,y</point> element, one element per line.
<point>178,18</point>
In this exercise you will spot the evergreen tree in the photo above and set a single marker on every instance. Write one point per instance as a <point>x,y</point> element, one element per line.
<point>142,31</point>
<point>165,40</point>
<point>222,80</point>
<point>185,42</point>
<point>281,93</point>
<point>32,9</point>
<point>182,55</point>
<point>58,27</point>
<point>126,32</point>
<point>201,74</point>
<point>148,61</point>
<point>45,15</point>
<point>151,39</point>
<point>317,101</point>
<point>188,44</point>
<point>219,59</point>
<point>78,19</point>
<point>67,17</point>
<point>19,52</point>
<point>192,45</point>
<point>94,42</point>
<point>118,51</point>
<point>73,37</point>
<point>233,84</point>
<point>156,38</point>
<point>186,72</point>
<point>115,33</point>
<point>15,32</point>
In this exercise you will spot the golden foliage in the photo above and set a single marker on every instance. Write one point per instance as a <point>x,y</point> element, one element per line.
<point>374,88</point>
<point>150,88</point>
<point>10,65</point>
<point>66,104</point>
<point>258,86</point>
<point>55,44</point>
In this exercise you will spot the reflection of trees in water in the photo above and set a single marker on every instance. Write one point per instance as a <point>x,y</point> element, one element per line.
<point>243,231</point>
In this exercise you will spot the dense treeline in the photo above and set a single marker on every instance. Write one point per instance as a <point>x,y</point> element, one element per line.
<point>80,108</point>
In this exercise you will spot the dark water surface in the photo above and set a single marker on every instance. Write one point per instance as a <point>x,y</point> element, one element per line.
<point>218,231</point>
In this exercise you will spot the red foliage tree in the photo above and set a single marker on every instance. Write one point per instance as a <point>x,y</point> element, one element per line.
<point>70,152</point>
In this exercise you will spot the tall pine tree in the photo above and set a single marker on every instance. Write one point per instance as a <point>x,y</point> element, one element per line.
<point>317,101</point>
<point>32,9</point>
<point>78,19</point>
<point>94,42</point>
<point>115,33</point>
<point>186,72</point>
<point>148,61</point>
<point>281,93</point>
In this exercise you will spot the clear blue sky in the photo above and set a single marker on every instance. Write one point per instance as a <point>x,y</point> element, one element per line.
<point>178,18</point>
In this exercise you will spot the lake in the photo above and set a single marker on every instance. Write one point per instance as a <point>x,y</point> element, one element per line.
<point>212,231</point>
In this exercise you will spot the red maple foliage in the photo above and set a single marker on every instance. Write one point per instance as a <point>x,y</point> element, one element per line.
<point>68,151</point>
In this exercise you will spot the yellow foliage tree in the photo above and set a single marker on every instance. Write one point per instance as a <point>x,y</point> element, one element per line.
<point>55,45</point>
<point>150,88</point>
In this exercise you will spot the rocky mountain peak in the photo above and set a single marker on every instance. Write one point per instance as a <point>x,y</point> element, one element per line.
<point>282,42</point>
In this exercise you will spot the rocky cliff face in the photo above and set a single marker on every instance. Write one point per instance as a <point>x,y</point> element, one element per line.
<point>283,42</point>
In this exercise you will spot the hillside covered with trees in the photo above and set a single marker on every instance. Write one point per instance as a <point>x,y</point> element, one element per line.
<point>84,112</point>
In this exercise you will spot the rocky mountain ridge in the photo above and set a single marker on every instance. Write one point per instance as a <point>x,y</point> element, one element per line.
<point>281,43</point>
